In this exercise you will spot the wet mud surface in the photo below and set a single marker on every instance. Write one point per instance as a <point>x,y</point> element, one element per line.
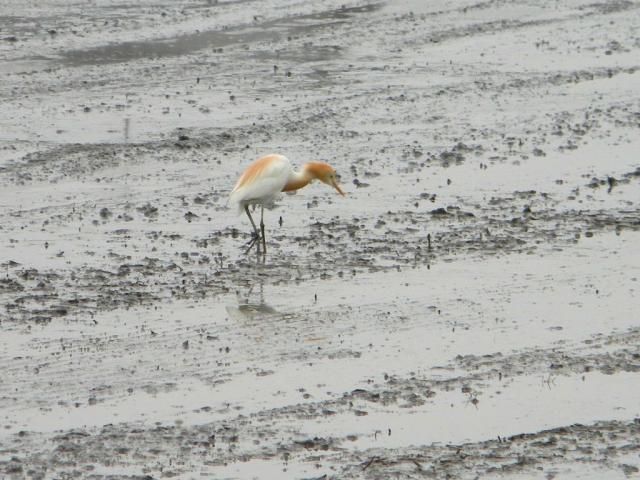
<point>468,310</point>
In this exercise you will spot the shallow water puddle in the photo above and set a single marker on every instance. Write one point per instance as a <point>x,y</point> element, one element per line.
<point>191,43</point>
<point>190,400</point>
<point>503,408</point>
<point>293,467</point>
<point>577,471</point>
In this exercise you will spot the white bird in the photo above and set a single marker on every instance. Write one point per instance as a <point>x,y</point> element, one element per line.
<point>265,178</point>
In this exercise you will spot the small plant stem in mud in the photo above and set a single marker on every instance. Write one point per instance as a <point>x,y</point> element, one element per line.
<point>368,464</point>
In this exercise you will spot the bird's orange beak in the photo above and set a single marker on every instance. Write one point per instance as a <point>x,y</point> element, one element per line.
<point>335,185</point>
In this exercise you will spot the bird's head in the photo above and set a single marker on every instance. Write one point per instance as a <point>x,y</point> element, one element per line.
<point>325,173</point>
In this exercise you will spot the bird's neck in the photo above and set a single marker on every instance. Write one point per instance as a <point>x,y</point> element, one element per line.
<point>297,180</point>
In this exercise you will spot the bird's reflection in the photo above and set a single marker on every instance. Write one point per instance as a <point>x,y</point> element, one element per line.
<point>251,305</point>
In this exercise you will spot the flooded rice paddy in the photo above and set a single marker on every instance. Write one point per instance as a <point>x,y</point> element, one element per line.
<point>468,310</point>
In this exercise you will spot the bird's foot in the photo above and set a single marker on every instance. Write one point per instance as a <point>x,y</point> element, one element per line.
<point>255,240</point>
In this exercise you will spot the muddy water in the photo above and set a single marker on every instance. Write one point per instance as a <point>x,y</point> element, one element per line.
<point>468,310</point>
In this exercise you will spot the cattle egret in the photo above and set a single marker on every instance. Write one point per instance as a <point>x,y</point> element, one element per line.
<point>263,180</point>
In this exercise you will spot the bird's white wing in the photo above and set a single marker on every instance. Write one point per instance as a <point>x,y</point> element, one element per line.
<point>262,181</point>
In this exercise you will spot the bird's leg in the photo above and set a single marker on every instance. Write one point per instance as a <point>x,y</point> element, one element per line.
<point>264,239</point>
<point>256,234</point>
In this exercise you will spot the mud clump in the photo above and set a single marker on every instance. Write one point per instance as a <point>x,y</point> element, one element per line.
<point>105,213</point>
<point>148,210</point>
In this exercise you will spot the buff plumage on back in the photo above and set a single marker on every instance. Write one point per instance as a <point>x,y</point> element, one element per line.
<point>254,170</point>
<point>261,182</point>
